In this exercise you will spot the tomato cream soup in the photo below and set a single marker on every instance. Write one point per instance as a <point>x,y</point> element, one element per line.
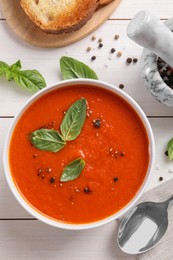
<point>113,144</point>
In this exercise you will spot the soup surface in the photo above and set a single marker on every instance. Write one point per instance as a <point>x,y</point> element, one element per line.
<point>116,153</point>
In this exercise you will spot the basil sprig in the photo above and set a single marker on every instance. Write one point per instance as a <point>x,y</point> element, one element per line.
<point>73,170</point>
<point>170,149</point>
<point>73,120</point>
<point>31,80</point>
<point>71,68</point>
<point>47,140</point>
<point>71,126</point>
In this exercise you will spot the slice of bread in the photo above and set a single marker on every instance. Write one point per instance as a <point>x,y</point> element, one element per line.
<point>59,16</point>
<point>104,2</point>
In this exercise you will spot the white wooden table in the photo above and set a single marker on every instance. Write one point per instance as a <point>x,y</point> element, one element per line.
<point>21,236</point>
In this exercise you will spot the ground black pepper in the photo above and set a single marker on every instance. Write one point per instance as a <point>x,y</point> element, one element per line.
<point>115,179</point>
<point>166,153</point>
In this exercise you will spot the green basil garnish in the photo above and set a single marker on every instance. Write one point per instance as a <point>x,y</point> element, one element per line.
<point>71,68</point>
<point>73,120</point>
<point>28,79</point>
<point>47,140</point>
<point>170,149</point>
<point>4,67</point>
<point>73,170</point>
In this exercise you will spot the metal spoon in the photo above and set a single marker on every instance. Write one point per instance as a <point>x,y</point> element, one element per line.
<point>143,227</point>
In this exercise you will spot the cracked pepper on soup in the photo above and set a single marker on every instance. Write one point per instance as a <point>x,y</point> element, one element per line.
<point>79,154</point>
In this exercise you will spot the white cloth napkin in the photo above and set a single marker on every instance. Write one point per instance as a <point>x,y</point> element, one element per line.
<point>164,249</point>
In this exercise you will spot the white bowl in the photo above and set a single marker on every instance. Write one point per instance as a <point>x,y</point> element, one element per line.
<point>151,76</point>
<point>149,132</point>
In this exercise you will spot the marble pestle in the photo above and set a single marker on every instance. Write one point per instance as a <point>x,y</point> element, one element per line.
<point>149,32</point>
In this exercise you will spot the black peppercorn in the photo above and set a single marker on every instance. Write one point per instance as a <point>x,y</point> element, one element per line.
<point>52,180</point>
<point>86,190</point>
<point>97,123</point>
<point>129,60</point>
<point>115,179</point>
<point>100,45</point>
<point>135,60</point>
<point>160,178</point>
<point>112,50</point>
<point>93,57</point>
<point>121,86</point>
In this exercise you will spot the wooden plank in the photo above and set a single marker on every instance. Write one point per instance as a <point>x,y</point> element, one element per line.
<point>108,66</point>
<point>128,8</point>
<point>37,241</point>
<point>162,128</point>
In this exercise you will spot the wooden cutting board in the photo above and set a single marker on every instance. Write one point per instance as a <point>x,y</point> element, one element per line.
<point>29,32</point>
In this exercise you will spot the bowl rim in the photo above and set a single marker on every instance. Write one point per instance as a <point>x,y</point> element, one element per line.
<point>71,226</point>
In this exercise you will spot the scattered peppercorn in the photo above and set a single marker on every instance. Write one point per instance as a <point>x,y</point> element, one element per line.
<point>100,45</point>
<point>115,179</point>
<point>100,40</point>
<point>88,49</point>
<point>119,54</point>
<point>160,178</point>
<point>112,50</point>
<point>97,123</point>
<point>116,37</point>
<point>93,57</point>
<point>52,180</point>
<point>166,153</point>
<point>40,170</point>
<point>129,60</point>
<point>86,190</point>
<point>135,60</point>
<point>122,153</point>
<point>48,169</point>
<point>121,86</point>
<point>93,38</point>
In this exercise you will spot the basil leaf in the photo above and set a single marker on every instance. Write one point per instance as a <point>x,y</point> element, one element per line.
<point>3,68</point>
<point>29,79</point>
<point>73,120</point>
<point>170,149</point>
<point>71,68</point>
<point>47,140</point>
<point>16,66</point>
<point>72,170</point>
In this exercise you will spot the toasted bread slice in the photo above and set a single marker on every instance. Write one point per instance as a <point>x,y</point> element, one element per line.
<point>59,16</point>
<point>104,2</point>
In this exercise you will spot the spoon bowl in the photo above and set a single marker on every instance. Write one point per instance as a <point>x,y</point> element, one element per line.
<point>143,227</point>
